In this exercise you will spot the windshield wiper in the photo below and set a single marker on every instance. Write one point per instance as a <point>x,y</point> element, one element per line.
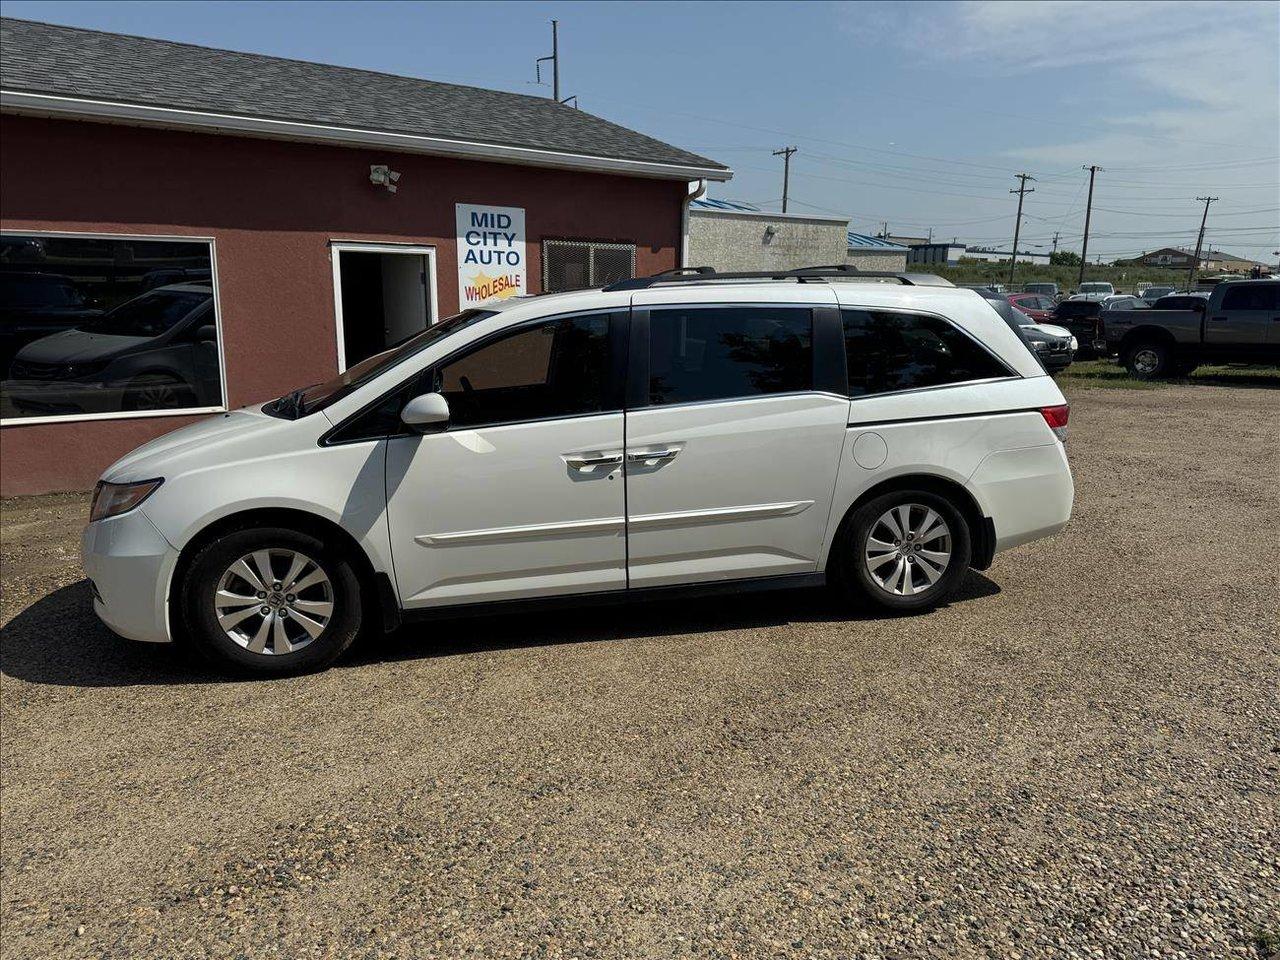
<point>291,405</point>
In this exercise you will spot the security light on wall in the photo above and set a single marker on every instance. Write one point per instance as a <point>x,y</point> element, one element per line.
<point>769,232</point>
<point>381,175</point>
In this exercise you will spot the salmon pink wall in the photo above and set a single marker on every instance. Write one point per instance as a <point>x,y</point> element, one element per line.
<point>272,208</point>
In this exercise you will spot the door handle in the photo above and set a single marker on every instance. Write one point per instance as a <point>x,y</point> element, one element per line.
<point>645,456</point>
<point>581,463</point>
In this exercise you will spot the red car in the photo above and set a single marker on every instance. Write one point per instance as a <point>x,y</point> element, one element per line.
<point>1035,305</point>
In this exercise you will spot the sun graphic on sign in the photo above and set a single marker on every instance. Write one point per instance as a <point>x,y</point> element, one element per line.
<point>498,288</point>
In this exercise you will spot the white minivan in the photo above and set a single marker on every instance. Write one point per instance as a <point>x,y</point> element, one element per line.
<point>684,431</point>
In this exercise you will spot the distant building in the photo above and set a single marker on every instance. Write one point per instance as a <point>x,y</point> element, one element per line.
<point>956,252</point>
<point>876,253</point>
<point>991,255</point>
<point>936,253</point>
<point>733,236</point>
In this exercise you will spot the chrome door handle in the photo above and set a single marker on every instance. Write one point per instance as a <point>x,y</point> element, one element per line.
<point>600,461</point>
<point>653,455</point>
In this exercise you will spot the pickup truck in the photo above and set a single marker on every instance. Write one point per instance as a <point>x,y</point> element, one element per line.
<point>1239,322</point>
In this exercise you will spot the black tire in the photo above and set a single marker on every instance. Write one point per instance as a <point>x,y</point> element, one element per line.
<point>207,569</point>
<point>856,583</point>
<point>1149,359</point>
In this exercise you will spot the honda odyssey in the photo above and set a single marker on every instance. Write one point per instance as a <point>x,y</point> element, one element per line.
<point>883,434</point>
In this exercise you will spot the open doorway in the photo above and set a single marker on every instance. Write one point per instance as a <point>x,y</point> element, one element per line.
<point>384,294</point>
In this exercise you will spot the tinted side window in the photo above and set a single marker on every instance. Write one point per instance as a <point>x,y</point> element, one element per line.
<point>1252,296</point>
<point>716,353</point>
<point>559,368</point>
<point>903,351</point>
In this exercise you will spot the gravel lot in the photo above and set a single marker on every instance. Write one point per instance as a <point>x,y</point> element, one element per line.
<point>1079,758</point>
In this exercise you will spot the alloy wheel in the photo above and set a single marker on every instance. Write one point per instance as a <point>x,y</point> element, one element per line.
<point>908,549</point>
<point>1146,361</point>
<point>274,601</point>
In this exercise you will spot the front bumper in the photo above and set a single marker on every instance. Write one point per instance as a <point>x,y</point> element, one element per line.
<point>130,565</point>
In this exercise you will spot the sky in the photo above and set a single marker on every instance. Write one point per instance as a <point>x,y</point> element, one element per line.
<point>914,114</point>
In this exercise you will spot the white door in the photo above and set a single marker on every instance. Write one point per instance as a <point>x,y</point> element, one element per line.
<point>522,495</point>
<point>731,465</point>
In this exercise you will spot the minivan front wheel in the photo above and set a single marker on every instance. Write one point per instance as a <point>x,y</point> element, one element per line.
<point>271,601</point>
<point>905,551</point>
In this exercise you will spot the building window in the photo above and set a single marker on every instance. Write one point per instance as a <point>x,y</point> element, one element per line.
<point>583,264</point>
<point>94,326</point>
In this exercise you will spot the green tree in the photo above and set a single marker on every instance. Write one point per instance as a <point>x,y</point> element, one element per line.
<point>1064,258</point>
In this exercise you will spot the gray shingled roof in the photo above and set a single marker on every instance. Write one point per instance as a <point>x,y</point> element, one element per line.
<point>89,64</point>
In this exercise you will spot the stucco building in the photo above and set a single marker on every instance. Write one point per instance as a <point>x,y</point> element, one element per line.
<point>733,236</point>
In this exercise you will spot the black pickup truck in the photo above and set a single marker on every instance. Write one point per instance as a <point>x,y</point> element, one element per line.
<point>1238,323</point>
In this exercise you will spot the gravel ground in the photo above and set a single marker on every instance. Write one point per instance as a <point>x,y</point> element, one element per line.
<point>1080,757</point>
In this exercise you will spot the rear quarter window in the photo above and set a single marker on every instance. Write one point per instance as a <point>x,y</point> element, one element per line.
<point>890,351</point>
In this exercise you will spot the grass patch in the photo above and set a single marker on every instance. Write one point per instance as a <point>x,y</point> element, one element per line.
<point>1089,374</point>
<point>1267,943</point>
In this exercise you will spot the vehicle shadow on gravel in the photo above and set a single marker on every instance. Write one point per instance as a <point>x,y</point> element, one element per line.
<point>449,637</point>
<point>58,640</point>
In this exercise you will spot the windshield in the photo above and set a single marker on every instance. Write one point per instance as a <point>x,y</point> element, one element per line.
<point>320,395</point>
<point>1095,288</point>
<point>1072,309</point>
<point>39,291</point>
<point>148,315</point>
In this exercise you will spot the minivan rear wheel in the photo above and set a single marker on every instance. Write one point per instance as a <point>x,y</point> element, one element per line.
<point>272,601</point>
<point>905,551</point>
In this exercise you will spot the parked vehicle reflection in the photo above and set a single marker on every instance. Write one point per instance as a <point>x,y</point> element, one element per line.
<point>157,351</point>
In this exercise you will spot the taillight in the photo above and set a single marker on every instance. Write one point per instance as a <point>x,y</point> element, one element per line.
<point>1056,418</point>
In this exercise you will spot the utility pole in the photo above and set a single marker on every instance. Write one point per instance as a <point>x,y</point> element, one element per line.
<point>1195,261</point>
<point>931,234</point>
<point>1088,212</point>
<point>1022,191</point>
<point>555,62</point>
<point>1055,242</point>
<point>785,153</point>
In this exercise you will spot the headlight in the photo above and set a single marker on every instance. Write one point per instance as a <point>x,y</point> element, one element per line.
<point>1039,346</point>
<point>1075,344</point>
<point>113,499</point>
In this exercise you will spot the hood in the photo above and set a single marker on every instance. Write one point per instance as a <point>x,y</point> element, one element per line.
<point>77,346</point>
<point>1053,330</point>
<point>221,438</point>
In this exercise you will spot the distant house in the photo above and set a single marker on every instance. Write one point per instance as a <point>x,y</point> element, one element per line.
<point>1212,260</point>
<point>876,253</point>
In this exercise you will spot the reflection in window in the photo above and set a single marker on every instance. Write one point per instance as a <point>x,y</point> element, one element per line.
<point>93,326</point>
<point>723,352</point>
<point>904,351</point>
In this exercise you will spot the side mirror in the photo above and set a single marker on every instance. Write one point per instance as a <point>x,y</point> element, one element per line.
<point>206,333</point>
<point>428,413</point>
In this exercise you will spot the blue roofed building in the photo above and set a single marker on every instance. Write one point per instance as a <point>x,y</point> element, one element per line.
<point>875,253</point>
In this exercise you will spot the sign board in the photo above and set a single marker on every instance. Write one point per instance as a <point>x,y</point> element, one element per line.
<point>492,263</point>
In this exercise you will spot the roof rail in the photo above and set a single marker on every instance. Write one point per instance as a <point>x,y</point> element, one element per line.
<point>799,275</point>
